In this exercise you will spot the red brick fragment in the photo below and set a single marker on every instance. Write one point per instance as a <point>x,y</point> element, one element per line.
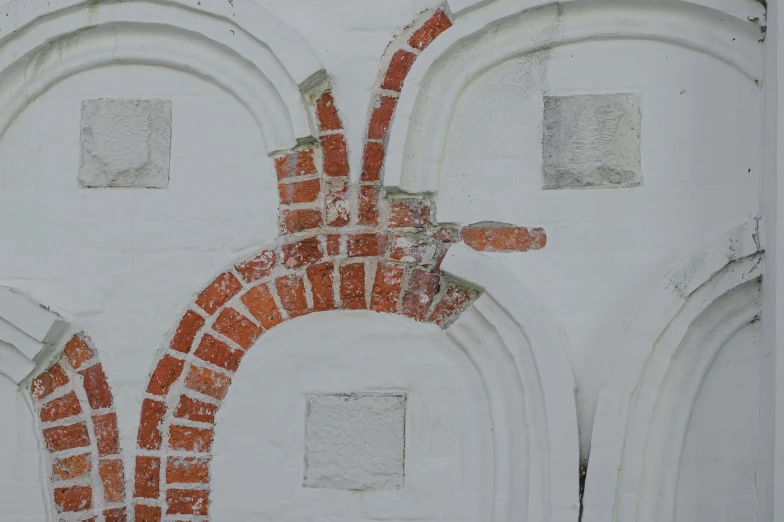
<point>186,438</point>
<point>327,113</point>
<point>386,287</point>
<point>218,293</point>
<point>149,436</point>
<point>106,434</point>
<point>296,164</point>
<point>452,304</point>
<point>48,382</point>
<point>62,438</point>
<point>147,483</point>
<point>61,408</point>
<point>335,155</point>
<point>373,161</point>
<point>368,205</point>
<point>189,326</point>
<point>383,110</point>
<point>320,277</point>
<point>398,69</point>
<point>337,204</point>
<point>75,498</point>
<point>187,470</point>
<point>237,327</point>
<point>71,467</point>
<point>299,192</point>
<point>219,353</point>
<point>78,352</point>
<point>115,515</point>
<point>291,290</point>
<point>195,410</point>
<point>419,295</point>
<point>333,244</point>
<point>262,306</point>
<point>113,479</point>
<point>99,395</point>
<point>416,249</point>
<point>299,220</point>
<point>258,267</point>
<point>147,513</point>
<point>437,24</point>
<point>187,502</point>
<point>302,253</point>
<point>208,382</point>
<point>352,286</point>
<point>501,237</point>
<point>166,372</point>
<point>364,245</point>
<point>409,213</point>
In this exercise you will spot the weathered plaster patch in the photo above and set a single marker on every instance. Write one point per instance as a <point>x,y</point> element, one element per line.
<point>591,141</point>
<point>125,143</point>
<point>355,441</point>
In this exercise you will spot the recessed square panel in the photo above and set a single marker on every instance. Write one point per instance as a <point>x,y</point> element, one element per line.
<point>125,143</point>
<point>355,441</point>
<point>591,141</point>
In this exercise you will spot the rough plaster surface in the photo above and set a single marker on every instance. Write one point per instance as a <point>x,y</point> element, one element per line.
<point>355,441</point>
<point>591,141</point>
<point>125,143</point>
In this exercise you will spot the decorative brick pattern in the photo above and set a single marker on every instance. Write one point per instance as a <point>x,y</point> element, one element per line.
<point>75,410</point>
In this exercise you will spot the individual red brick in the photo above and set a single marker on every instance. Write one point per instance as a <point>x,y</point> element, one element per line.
<point>61,408</point>
<point>186,438</point>
<point>352,286</point>
<point>421,288</point>
<point>237,327</point>
<point>333,244</point>
<point>335,155</point>
<point>219,353</point>
<point>416,249</point>
<point>320,277</point>
<point>113,479</point>
<point>373,161</point>
<point>106,433</point>
<point>218,293</point>
<point>208,382</point>
<point>452,304</point>
<point>291,290</point>
<point>75,498</point>
<point>368,205</point>
<point>147,482</point>
<point>299,220</point>
<point>187,470</point>
<point>364,245</point>
<point>501,237</point>
<point>302,253</point>
<point>166,372</point>
<point>398,69</point>
<point>409,213</point>
<point>99,395</point>
<point>115,515</point>
<point>296,164</point>
<point>337,205</point>
<point>437,24</point>
<point>299,192</point>
<point>386,288</point>
<point>62,438</point>
<point>187,502</point>
<point>381,117</point>
<point>262,306</point>
<point>48,382</point>
<point>189,326</point>
<point>257,268</point>
<point>147,513</point>
<point>78,352</point>
<point>73,467</point>
<point>327,113</point>
<point>195,410</point>
<point>149,436</point>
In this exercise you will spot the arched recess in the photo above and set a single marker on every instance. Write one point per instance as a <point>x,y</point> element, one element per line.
<point>517,350</point>
<point>494,32</point>
<point>646,400</point>
<point>238,46</point>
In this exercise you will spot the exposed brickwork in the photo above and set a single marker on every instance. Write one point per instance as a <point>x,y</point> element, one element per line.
<point>500,237</point>
<point>430,30</point>
<point>258,267</point>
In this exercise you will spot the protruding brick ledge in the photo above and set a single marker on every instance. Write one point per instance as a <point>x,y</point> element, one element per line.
<point>491,236</point>
<point>75,409</point>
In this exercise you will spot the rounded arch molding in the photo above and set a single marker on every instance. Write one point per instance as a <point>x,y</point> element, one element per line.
<point>517,349</point>
<point>695,309</point>
<point>486,34</point>
<point>238,46</point>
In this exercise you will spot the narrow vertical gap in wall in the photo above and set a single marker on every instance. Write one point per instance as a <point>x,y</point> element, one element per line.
<point>583,474</point>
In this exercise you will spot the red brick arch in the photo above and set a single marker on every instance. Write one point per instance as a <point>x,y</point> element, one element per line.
<point>342,246</point>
